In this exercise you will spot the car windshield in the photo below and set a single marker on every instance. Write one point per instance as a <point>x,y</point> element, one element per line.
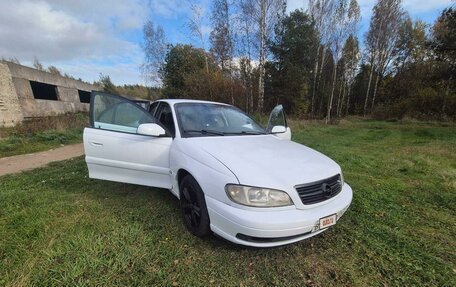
<point>206,119</point>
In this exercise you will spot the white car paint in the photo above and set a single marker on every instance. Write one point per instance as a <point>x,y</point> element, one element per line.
<point>269,161</point>
<point>123,157</point>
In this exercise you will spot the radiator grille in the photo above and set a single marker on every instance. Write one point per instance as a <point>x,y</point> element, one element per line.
<point>315,192</point>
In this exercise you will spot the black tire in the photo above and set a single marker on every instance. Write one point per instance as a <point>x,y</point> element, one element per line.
<point>193,207</point>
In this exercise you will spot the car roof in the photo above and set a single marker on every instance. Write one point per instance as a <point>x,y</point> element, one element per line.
<point>179,101</point>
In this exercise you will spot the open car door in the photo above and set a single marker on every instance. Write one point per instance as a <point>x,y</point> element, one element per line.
<point>277,124</point>
<point>119,144</point>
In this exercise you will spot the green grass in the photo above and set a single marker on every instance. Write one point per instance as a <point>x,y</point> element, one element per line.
<point>22,144</point>
<point>42,134</point>
<point>58,227</point>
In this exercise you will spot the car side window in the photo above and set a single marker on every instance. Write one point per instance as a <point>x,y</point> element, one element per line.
<point>153,108</point>
<point>115,113</point>
<point>165,117</point>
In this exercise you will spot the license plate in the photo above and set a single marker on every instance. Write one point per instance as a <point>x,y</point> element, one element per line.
<point>328,221</point>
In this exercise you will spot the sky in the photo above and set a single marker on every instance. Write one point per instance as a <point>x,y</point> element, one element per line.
<point>84,38</point>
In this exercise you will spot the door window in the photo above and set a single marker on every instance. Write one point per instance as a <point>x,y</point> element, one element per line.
<point>165,117</point>
<point>153,108</point>
<point>277,118</point>
<point>115,113</point>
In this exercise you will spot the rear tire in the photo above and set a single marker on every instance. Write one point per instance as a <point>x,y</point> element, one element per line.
<point>193,207</point>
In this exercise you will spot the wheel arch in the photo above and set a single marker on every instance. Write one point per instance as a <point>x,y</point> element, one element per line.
<point>210,174</point>
<point>181,173</point>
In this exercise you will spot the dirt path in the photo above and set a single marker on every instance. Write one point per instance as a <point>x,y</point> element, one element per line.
<point>18,163</point>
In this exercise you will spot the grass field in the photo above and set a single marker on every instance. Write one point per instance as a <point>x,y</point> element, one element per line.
<point>57,227</point>
<point>42,134</point>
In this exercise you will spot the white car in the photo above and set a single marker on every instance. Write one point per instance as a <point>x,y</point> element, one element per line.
<point>249,185</point>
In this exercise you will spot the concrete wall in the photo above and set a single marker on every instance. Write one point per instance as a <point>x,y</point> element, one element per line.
<point>42,108</point>
<point>23,89</point>
<point>10,108</point>
<point>23,72</point>
<point>16,92</point>
<point>67,94</point>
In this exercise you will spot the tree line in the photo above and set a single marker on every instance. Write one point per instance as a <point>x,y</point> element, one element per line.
<point>258,55</point>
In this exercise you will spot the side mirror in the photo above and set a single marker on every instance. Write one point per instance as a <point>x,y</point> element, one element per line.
<point>151,130</point>
<point>278,129</point>
<point>282,132</point>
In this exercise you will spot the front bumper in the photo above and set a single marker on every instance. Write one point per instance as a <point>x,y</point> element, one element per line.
<point>268,227</point>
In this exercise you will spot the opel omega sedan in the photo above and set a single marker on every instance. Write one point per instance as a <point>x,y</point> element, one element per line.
<point>248,184</point>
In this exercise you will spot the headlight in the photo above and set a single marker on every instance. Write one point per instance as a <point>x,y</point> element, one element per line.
<point>257,196</point>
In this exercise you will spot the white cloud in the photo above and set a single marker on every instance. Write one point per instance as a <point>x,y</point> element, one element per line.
<point>30,29</point>
<point>85,37</point>
<point>127,14</point>
<point>169,8</point>
<point>71,34</point>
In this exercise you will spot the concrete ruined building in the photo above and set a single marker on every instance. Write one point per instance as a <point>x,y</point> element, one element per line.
<point>29,93</point>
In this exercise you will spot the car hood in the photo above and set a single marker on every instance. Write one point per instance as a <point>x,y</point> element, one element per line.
<point>267,161</point>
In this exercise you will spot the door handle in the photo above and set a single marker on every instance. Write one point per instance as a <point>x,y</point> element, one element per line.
<point>94,143</point>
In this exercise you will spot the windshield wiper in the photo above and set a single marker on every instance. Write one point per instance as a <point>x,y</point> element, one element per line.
<point>206,132</point>
<point>246,133</point>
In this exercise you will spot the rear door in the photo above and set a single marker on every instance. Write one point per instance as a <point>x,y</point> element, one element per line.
<point>115,151</point>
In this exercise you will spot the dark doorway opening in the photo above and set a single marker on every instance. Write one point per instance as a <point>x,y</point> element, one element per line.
<point>44,91</point>
<point>84,96</point>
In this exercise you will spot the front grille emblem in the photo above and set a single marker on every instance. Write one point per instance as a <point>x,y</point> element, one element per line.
<point>327,190</point>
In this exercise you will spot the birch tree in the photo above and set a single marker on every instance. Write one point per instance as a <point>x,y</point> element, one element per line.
<point>221,35</point>
<point>344,17</point>
<point>246,28</point>
<point>411,43</point>
<point>351,57</point>
<point>380,42</point>
<point>221,39</point>
<point>321,12</point>
<point>265,14</point>
<point>195,25</point>
<point>154,48</point>
<point>350,54</point>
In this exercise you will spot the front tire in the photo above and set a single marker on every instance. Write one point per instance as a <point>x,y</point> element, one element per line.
<point>193,207</point>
